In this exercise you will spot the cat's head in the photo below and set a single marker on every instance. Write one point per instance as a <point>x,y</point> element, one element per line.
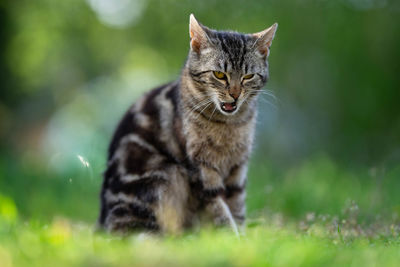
<point>228,67</point>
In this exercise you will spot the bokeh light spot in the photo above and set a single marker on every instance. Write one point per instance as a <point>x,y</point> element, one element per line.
<point>118,13</point>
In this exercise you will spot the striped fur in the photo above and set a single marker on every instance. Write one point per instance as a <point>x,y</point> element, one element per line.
<point>179,152</point>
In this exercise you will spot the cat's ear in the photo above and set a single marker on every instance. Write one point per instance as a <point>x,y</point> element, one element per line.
<point>264,39</point>
<point>198,35</point>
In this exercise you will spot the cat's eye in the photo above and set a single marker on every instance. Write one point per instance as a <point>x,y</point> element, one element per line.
<point>248,76</point>
<point>219,75</point>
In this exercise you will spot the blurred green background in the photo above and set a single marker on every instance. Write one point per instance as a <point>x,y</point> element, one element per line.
<point>329,142</point>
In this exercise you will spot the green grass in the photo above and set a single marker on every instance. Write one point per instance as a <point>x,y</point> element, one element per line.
<point>65,243</point>
<point>315,213</point>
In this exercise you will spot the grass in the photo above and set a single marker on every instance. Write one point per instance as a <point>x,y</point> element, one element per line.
<point>65,243</point>
<point>316,213</point>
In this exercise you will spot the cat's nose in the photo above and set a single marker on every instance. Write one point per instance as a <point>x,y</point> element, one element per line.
<point>234,91</point>
<point>234,95</point>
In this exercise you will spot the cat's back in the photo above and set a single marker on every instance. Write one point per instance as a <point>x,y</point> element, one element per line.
<point>155,120</point>
<point>144,157</point>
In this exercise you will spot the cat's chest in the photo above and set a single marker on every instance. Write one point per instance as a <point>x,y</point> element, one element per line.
<point>220,144</point>
<point>227,139</point>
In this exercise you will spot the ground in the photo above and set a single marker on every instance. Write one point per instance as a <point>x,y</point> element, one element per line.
<point>316,213</point>
<point>65,243</point>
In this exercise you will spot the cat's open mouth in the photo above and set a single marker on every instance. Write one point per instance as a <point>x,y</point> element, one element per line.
<point>228,107</point>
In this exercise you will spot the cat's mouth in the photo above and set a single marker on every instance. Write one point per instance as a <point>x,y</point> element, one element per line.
<point>228,107</point>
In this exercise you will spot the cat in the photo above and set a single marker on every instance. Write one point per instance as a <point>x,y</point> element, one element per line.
<point>180,153</point>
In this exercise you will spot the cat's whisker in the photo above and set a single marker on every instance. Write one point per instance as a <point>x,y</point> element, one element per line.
<point>263,99</point>
<point>199,105</point>
<point>203,110</point>
<point>269,103</point>
<point>265,92</point>
<point>269,91</point>
<point>272,99</point>
<point>212,113</point>
<point>204,103</point>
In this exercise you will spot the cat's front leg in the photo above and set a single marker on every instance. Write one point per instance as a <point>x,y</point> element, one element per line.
<point>219,210</point>
<point>212,193</point>
<point>235,194</point>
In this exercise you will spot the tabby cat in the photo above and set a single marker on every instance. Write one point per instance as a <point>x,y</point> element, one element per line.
<point>180,152</point>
